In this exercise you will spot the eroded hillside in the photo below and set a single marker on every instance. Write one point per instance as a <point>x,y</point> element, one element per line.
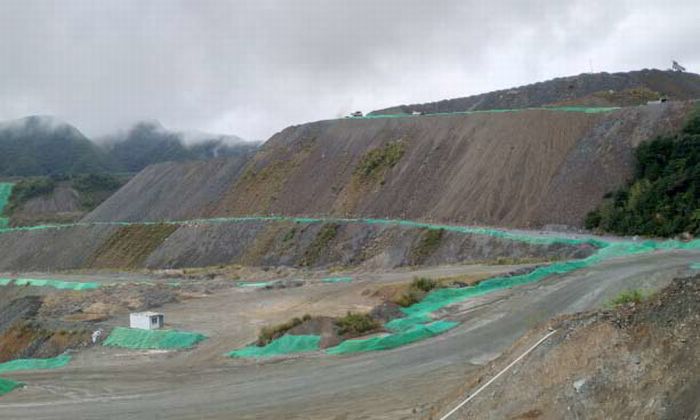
<point>526,169</point>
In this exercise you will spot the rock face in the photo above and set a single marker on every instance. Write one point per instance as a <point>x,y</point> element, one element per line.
<point>520,169</point>
<point>600,89</point>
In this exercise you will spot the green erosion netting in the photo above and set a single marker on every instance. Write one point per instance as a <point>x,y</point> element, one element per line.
<point>514,236</point>
<point>287,344</point>
<point>695,266</point>
<point>132,338</point>
<point>56,284</point>
<point>34,364</point>
<point>394,340</point>
<point>5,192</point>
<point>255,283</point>
<point>582,109</point>
<point>7,385</point>
<point>337,280</point>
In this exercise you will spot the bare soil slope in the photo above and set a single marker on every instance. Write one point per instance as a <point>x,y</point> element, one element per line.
<point>170,191</point>
<point>257,244</point>
<point>639,361</point>
<point>522,169</point>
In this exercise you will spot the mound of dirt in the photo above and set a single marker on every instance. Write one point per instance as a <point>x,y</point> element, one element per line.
<point>637,361</point>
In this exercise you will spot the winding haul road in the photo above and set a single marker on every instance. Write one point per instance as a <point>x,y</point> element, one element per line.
<point>401,383</point>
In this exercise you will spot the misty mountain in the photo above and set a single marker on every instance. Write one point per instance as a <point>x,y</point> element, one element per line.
<point>149,142</point>
<point>42,145</point>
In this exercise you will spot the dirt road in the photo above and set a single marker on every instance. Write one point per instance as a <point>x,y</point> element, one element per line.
<point>401,383</point>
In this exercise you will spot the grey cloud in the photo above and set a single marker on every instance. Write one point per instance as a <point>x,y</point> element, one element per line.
<point>252,67</point>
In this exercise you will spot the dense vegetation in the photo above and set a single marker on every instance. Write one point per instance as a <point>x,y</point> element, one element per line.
<point>42,146</point>
<point>664,197</point>
<point>92,189</point>
<point>37,146</point>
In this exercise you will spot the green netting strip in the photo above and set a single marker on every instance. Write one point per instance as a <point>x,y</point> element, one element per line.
<point>581,109</point>
<point>392,341</point>
<point>132,338</point>
<point>56,284</point>
<point>513,236</point>
<point>8,385</point>
<point>34,364</point>
<point>287,344</point>
<point>337,280</point>
<point>5,192</point>
<point>255,284</point>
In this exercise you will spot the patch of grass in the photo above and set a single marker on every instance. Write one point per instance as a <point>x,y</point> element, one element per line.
<point>376,161</point>
<point>269,333</point>
<point>130,245</point>
<point>356,324</point>
<point>636,296</point>
<point>429,243</point>
<point>325,235</point>
<point>95,188</point>
<point>26,189</point>
<point>289,235</point>
<point>419,287</point>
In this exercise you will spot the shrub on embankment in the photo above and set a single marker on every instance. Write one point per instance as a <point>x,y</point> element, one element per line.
<point>663,199</point>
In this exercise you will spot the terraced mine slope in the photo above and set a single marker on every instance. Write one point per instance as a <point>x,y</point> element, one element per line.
<point>260,243</point>
<point>520,169</point>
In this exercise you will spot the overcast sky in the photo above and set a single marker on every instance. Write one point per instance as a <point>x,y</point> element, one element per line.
<point>251,68</point>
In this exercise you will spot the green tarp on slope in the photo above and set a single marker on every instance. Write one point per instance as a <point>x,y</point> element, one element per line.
<point>255,284</point>
<point>7,385</point>
<point>392,341</point>
<point>34,364</point>
<point>5,192</point>
<point>287,344</point>
<point>56,284</point>
<point>337,280</point>
<point>132,338</point>
<point>582,109</point>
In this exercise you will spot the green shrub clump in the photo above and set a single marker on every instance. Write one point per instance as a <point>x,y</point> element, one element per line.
<point>356,324</point>
<point>28,188</point>
<point>629,296</point>
<point>664,197</point>
<point>420,286</point>
<point>376,161</point>
<point>269,333</point>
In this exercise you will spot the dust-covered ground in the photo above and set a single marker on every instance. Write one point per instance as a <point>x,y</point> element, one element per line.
<point>409,382</point>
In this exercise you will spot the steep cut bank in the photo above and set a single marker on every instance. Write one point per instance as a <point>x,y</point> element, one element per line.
<point>170,191</point>
<point>596,89</point>
<point>262,243</point>
<point>523,169</point>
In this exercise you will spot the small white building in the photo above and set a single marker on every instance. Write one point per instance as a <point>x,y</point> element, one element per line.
<point>146,320</point>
